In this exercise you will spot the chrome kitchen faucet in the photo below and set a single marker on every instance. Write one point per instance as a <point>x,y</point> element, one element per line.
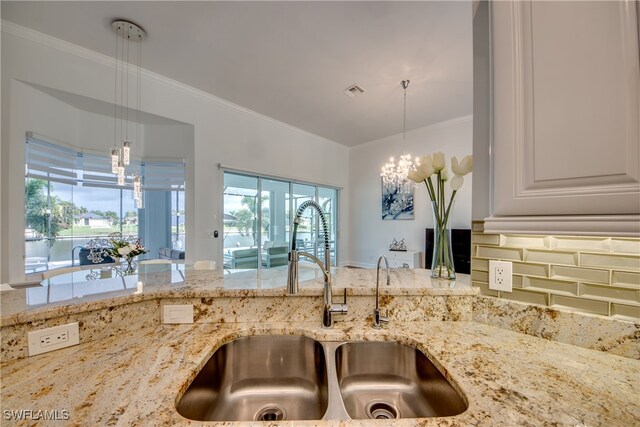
<point>329,308</point>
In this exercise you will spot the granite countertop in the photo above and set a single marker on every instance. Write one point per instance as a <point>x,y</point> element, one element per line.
<point>508,378</point>
<point>66,296</point>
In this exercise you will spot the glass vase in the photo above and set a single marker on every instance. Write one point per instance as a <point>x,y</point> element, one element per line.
<point>129,266</point>
<point>442,261</point>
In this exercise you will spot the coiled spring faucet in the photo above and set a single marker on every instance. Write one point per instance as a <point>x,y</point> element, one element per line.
<point>329,308</point>
<point>379,320</point>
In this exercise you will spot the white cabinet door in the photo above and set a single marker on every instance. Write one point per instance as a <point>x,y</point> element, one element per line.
<point>566,109</point>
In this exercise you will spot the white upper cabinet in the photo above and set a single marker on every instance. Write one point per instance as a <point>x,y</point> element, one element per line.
<point>566,117</point>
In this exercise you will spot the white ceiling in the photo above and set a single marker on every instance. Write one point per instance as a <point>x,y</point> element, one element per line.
<point>292,60</point>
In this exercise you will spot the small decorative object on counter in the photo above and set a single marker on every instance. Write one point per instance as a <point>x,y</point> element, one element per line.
<point>425,167</point>
<point>125,249</point>
<point>398,246</point>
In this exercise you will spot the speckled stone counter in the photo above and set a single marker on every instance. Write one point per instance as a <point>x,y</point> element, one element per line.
<point>602,333</point>
<point>70,297</point>
<point>102,311</point>
<point>509,379</point>
<point>112,307</point>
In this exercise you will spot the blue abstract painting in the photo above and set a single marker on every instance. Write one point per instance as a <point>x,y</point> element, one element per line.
<point>396,202</point>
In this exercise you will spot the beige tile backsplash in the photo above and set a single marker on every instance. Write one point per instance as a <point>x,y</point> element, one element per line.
<point>622,278</point>
<point>598,275</point>
<point>551,256</point>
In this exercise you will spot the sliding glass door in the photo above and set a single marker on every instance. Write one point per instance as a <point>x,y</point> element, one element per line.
<point>328,201</point>
<point>307,228</point>
<point>241,229</point>
<point>258,218</point>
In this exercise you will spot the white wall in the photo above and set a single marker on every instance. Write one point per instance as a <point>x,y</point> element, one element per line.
<point>163,142</point>
<point>369,235</point>
<point>222,133</point>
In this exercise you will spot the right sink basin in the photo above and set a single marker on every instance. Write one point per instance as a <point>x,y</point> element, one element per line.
<point>388,380</point>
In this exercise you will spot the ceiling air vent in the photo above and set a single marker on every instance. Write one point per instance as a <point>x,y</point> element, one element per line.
<point>354,90</point>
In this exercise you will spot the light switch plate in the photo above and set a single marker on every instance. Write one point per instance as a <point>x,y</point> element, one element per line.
<point>49,339</point>
<point>182,313</point>
<point>500,275</point>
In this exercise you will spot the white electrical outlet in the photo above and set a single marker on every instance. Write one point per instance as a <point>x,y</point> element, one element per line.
<point>500,275</point>
<point>49,339</point>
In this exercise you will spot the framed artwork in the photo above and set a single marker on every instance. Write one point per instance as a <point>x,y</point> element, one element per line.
<point>397,203</point>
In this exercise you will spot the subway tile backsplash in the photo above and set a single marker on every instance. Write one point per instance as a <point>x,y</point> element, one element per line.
<point>598,275</point>
<point>625,278</point>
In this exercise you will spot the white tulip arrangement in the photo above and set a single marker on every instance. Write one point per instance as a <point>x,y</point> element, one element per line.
<point>425,168</point>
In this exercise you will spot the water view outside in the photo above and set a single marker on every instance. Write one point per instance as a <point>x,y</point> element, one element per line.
<point>72,197</point>
<point>177,220</point>
<point>258,213</point>
<point>61,217</point>
<point>48,254</point>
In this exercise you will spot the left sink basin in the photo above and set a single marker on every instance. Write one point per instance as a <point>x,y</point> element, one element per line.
<point>260,378</point>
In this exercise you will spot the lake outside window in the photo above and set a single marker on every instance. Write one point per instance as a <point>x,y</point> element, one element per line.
<point>72,197</point>
<point>258,214</point>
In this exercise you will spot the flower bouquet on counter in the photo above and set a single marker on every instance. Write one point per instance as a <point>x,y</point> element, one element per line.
<point>432,171</point>
<point>122,248</point>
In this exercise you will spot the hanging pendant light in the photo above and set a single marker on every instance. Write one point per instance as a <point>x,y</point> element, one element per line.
<point>115,159</point>
<point>137,187</point>
<point>121,175</point>
<point>126,153</point>
<point>137,178</point>
<point>395,174</point>
<point>126,33</point>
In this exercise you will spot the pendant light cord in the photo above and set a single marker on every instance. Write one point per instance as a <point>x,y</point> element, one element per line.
<point>122,94</point>
<point>126,122</point>
<point>115,100</point>
<point>138,141</point>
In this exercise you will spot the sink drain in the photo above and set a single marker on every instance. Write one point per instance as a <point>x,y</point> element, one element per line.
<point>378,410</point>
<point>270,413</point>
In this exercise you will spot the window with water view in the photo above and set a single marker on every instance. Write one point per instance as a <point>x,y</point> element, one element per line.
<point>72,197</point>
<point>258,213</point>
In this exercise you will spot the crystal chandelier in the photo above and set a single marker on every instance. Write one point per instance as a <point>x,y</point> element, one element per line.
<point>126,33</point>
<point>395,174</point>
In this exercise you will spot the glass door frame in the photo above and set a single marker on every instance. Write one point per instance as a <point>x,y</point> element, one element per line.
<point>292,212</point>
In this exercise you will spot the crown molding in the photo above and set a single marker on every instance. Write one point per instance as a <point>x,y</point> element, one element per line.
<point>55,43</point>
<point>108,61</point>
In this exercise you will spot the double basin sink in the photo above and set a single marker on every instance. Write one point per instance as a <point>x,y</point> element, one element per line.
<point>272,378</point>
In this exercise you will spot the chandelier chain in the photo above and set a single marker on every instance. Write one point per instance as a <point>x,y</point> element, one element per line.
<point>404,119</point>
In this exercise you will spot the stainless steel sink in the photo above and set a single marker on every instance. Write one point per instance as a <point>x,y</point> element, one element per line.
<point>387,380</point>
<point>271,378</point>
<point>261,378</point>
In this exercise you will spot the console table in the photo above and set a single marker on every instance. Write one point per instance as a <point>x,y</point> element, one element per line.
<point>404,259</point>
